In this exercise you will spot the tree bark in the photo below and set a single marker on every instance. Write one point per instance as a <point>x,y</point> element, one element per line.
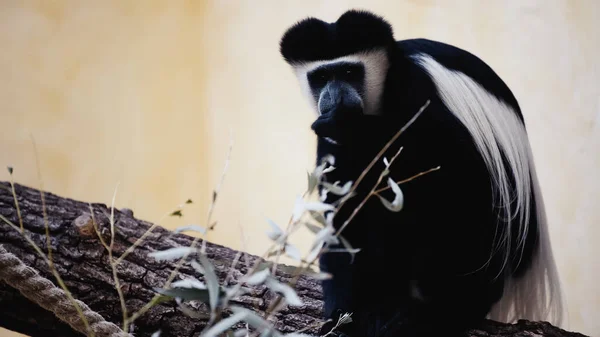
<point>82,262</point>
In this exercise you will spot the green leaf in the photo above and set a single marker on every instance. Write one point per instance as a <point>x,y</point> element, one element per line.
<point>293,252</point>
<point>351,250</point>
<point>398,202</point>
<point>194,228</point>
<point>252,318</point>
<point>275,233</point>
<point>189,283</point>
<point>318,217</point>
<point>171,253</point>
<point>313,181</point>
<point>188,294</point>
<point>336,189</point>
<point>242,333</point>
<point>325,235</point>
<point>288,292</point>
<point>10,170</point>
<point>313,228</point>
<point>258,277</point>
<point>189,201</point>
<point>177,213</point>
<point>197,267</point>
<point>298,209</point>
<point>318,276</point>
<point>163,299</point>
<point>211,281</point>
<point>224,324</point>
<point>318,206</point>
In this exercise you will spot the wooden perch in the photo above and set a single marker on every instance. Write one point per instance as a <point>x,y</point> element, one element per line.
<point>82,262</point>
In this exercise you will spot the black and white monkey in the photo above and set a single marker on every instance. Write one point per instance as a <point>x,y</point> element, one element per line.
<point>471,241</point>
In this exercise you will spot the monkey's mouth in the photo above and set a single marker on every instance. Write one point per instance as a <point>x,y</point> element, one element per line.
<point>332,130</point>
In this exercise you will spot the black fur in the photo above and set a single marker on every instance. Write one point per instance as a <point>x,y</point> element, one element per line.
<point>312,39</point>
<point>445,232</point>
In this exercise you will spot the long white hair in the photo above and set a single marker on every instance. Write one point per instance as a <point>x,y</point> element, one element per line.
<point>497,131</point>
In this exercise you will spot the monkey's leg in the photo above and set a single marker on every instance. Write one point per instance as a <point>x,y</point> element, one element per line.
<point>338,290</point>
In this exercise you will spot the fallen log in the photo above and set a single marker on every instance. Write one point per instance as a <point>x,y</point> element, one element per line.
<point>83,263</point>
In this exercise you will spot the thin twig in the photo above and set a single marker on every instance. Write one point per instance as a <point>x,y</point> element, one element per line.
<point>400,182</point>
<point>381,152</point>
<point>14,193</point>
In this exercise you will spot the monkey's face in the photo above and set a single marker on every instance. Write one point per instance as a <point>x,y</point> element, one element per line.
<point>338,90</point>
<point>346,94</point>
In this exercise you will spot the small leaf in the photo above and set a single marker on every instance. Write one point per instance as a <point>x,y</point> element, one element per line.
<point>224,324</point>
<point>177,213</point>
<point>211,279</point>
<point>328,169</point>
<point>187,310</point>
<point>197,267</point>
<point>345,319</point>
<point>319,276</point>
<point>318,217</point>
<point>171,253</point>
<point>242,333</point>
<point>325,235</point>
<point>313,228</point>
<point>163,299</point>
<point>252,318</point>
<point>290,294</point>
<point>293,252</point>
<point>336,189</point>
<point>258,277</point>
<point>188,294</point>
<point>330,159</point>
<point>298,209</point>
<point>188,283</point>
<point>314,252</point>
<point>323,195</point>
<point>329,219</point>
<point>214,196</point>
<point>235,291</point>
<point>318,206</point>
<point>264,265</point>
<point>189,201</point>
<point>351,250</point>
<point>212,226</point>
<point>313,181</point>
<point>398,202</point>
<point>194,228</point>
<point>276,232</point>
<point>10,170</point>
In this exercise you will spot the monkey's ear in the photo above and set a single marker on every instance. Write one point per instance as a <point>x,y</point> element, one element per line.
<point>315,40</point>
<point>307,40</point>
<point>362,30</point>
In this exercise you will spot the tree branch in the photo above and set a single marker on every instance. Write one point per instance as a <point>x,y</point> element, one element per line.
<point>83,263</point>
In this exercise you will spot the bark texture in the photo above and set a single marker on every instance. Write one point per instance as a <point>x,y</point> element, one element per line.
<point>82,262</point>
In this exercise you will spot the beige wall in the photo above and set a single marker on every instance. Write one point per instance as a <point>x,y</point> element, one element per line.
<point>145,95</point>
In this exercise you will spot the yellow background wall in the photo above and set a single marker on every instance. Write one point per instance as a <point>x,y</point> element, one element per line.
<point>145,93</point>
